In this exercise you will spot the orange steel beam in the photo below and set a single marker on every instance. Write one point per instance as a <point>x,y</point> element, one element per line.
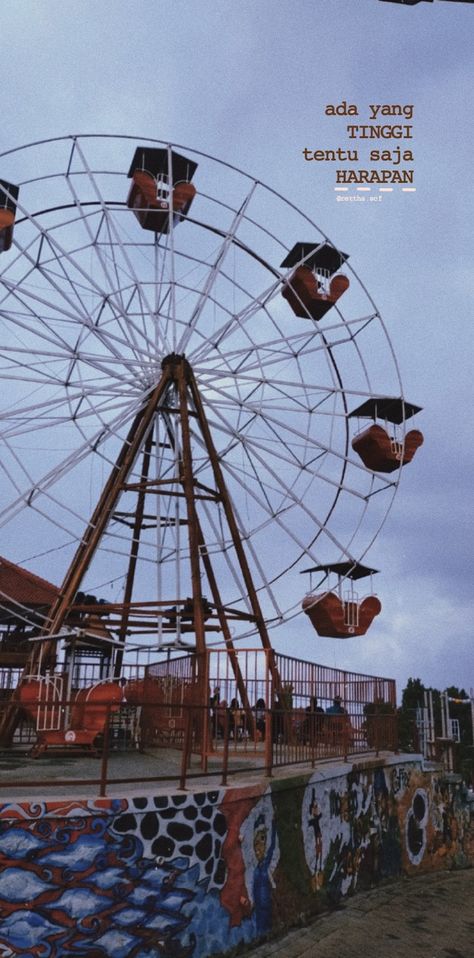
<point>101,516</point>
<point>176,372</point>
<point>46,652</point>
<point>229,513</point>
<point>187,481</point>
<point>224,620</point>
<point>132,565</point>
<point>198,550</point>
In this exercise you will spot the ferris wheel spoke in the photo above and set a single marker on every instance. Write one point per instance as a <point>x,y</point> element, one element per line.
<point>348,335</point>
<point>113,232</point>
<point>41,367</point>
<point>240,319</point>
<point>63,468</point>
<point>279,427</point>
<point>226,310</point>
<point>248,360</point>
<point>227,244</point>
<point>264,579</point>
<point>22,612</point>
<point>271,351</point>
<point>272,397</point>
<point>48,412</point>
<point>261,450</point>
<point>305,465</point>
<point>113,238</point>
<point>276,517</point>
<point>47,331</point>
<point>9,473</point>
<point>54,508</point>
<point>231,566</point>
<point>35,374</point>
<point>222,545</point>
<point>236,323</point>
<point>288,386</point>
<point>64,303</point>
<point>72,289</point>
<point>42,329</point>
<point>167,305</point>
<point>72,314</point>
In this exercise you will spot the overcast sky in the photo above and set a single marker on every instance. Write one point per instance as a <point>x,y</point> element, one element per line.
<point>249,82</point>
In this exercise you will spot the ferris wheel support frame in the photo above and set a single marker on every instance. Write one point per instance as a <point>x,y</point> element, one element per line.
<point>44,655</point>
<point>135,545</point>
<point>90,307</point>
<point>177,372</point>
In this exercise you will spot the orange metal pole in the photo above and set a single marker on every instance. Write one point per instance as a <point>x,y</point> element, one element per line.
<point>221,486</point>
<point>103,511</point>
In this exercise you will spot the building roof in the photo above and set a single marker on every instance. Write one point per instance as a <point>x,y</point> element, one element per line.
<point>20,585</point>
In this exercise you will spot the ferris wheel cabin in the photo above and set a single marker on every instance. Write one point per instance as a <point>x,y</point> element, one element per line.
<point>161,189</point>
<point>316,284</point>
<point>337,614</point>
<point>8,197</point>
<point>381,448</point>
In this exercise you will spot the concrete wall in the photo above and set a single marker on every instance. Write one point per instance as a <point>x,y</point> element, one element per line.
<point>195,874</point>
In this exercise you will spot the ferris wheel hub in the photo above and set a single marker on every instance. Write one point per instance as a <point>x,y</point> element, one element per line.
<point>174,360</point>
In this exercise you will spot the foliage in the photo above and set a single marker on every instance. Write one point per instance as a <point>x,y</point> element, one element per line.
<point>413,694</point>
<point>372,727</point>
<point>413,697</point>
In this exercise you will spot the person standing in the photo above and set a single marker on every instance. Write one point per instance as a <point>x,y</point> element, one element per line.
<point>337,707</point>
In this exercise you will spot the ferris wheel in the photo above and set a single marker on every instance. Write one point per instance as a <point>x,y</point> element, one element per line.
<point>185,359</point>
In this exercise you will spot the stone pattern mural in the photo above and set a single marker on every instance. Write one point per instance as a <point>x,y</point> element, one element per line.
<point>193,875</point>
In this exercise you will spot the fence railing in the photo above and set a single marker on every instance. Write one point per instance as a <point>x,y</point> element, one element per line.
<point>195,748</point>
<point>216,715</point>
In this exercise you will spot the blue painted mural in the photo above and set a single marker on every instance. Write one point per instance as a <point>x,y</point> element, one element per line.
<point>192,875</point>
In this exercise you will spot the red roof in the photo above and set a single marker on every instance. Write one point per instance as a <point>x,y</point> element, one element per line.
<point>25,587</point>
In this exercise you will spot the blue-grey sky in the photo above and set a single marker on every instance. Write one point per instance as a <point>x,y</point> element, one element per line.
<point>248,82</point>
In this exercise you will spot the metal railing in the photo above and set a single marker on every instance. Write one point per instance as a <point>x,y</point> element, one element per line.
<point>284,717</point>
<point>287,738</point>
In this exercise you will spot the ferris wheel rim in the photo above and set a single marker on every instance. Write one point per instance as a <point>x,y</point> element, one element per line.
<point>273,271</point>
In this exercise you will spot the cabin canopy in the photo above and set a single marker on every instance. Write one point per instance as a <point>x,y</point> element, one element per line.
<point>156,161</point>
<point>322,257</point>
<point>391,408</point>
<point>348,569</point>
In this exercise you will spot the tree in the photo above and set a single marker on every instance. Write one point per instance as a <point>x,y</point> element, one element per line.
<point>413,696</point>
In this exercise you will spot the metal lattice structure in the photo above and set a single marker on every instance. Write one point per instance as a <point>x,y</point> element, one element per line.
<point>172,432</point>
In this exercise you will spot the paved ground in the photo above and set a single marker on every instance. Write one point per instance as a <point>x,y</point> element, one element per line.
<point>425,916</point>
<point>56,774</point>
<point>59,774</point>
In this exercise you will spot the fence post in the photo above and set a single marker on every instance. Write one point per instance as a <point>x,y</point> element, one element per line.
<point>396,735</point>
<point>225,757</point>
<point>315,734</point>
<point>268,743</point>
<point>205,715</point>
<point>105,754</point>
<point>186,750</point>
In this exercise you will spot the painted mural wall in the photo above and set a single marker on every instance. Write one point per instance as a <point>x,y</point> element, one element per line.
<point>191,875</point>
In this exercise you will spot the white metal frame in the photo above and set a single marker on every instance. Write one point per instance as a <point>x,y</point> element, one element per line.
<point>90,304</point>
